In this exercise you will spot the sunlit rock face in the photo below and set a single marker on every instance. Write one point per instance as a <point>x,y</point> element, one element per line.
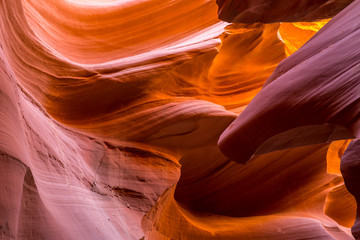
<point>118,121</point>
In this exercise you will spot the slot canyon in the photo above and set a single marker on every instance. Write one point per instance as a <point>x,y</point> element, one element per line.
<point>179,119</point>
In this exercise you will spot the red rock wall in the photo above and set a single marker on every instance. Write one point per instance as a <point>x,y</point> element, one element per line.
<point>115,115</point>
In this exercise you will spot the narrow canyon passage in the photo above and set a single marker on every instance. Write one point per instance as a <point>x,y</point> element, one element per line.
<point>163,119</point>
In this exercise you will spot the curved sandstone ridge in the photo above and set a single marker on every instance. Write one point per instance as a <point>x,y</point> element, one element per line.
<point>302,93</point>
<point>107,32</point>
<point>111,112</point>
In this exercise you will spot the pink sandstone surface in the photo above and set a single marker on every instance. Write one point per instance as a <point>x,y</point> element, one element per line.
<point>130,119</point>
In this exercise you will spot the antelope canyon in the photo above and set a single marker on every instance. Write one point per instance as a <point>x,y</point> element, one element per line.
<point>179,119</point>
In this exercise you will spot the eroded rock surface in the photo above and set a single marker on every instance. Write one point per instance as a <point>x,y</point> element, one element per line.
<point>111,112</point>
<point>269,11</point>
<point>318,84</point>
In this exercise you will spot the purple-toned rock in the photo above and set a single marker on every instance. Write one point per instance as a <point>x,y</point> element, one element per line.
<point>313,96</point>
<point>350,169</point>
<point>269,11</point>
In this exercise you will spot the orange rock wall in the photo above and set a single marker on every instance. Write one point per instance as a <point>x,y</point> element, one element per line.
<point>118,121</point>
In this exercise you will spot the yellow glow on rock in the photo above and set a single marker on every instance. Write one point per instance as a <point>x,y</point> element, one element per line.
<point>296,34</point>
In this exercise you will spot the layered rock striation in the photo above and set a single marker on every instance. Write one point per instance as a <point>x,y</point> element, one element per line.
<point>111,112</point>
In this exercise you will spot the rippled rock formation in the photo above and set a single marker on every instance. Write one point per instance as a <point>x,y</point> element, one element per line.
<point>301,94</point>
<point>269,11</point>
<point>111,112</point>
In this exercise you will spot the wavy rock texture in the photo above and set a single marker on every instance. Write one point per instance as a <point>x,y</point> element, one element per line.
<point>269,11</point>
<point>111,112</point>
<point>326,94</point>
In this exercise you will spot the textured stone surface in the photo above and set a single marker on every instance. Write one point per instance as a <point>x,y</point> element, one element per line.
<point>269,11</point>
<point>319,84</point>
<point>111,111</point>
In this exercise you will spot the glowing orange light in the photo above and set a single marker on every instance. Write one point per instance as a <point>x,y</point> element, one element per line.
<point>296,34</point>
